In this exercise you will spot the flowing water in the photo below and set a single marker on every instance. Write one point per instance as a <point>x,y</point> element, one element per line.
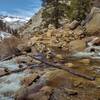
<point>11,83</point>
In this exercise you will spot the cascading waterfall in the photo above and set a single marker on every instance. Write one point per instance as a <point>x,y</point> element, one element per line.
<point>90,52</point>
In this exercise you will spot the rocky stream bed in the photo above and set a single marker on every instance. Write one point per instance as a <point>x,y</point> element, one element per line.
<point>57,84</point>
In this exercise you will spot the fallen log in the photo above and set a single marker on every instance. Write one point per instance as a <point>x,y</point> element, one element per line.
<point>7,58</point>
<point>11,56</point>
<point>19,70</point>
<point>41,59</point>
<point>70,70</point>
<point>14,71</point>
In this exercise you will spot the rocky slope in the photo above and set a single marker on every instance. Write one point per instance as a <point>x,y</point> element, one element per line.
<point>33,24</point>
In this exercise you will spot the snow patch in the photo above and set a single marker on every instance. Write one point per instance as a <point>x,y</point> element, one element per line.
<point>4,35</point>
<point>15,19</point>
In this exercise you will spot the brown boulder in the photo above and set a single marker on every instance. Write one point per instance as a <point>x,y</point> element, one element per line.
<point>2,71</point>
<point>93,25</point>
<point>43,94</point>
<point>97,42</point>
<point>29,79</point>
<point>8,47</point>
<point>77,45</point>
<point>56,78</point>
<point>74,24</point>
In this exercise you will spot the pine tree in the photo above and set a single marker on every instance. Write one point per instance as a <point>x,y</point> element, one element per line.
<point>54,11</point>
<point>1,25</point>
<point>78,9</point>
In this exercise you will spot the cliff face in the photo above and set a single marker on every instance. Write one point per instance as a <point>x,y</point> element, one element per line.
<point>37,19</point>
<point>33,23</point>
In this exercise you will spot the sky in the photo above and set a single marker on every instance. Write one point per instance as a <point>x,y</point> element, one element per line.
<point>23,8</point>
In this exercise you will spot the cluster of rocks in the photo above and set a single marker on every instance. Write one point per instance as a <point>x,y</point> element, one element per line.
<point>55,39</point>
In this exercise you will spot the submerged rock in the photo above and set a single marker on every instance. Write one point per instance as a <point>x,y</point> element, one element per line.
<point>97,42</point>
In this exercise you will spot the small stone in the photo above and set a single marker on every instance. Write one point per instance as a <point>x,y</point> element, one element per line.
<point>85,61</point>
<point>46,89</point>
<point>59,56</point>
<point>74,24</point>
<point>77,83</point>
<point>97,42</point>
<point>29,79</point>
<point>98,87</point>
<point>2,71</point>
<point>70,91</point>
<point>34,51</point>
<point>69,64</point>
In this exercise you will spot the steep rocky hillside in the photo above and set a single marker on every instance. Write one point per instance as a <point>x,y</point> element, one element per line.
<point>33,24</point>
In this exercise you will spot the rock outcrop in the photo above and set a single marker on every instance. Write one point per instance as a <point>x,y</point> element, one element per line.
<point>77,45</point>
<point>8,47</point>
<point>93,24</point>
<point>33,24</point>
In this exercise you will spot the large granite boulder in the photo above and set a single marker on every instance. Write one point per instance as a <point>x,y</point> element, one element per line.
<point>93,22</point>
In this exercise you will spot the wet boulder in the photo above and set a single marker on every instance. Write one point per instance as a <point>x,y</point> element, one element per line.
<point>2,71</point>
<point>29,79</point>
